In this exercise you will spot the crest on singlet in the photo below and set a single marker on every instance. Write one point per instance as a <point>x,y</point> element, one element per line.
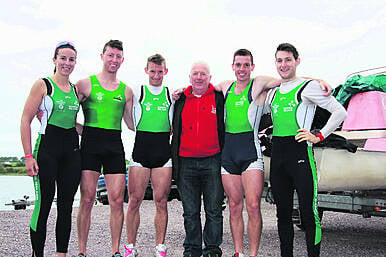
<point>154,110</point>
<point>104,108</point>
<point>59,108</point>
<point>237,108</point>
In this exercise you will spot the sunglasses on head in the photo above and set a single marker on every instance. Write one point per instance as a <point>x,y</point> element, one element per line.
<point>64,43</point>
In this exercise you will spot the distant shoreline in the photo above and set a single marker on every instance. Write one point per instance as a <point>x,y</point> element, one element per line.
<point>13,174</point>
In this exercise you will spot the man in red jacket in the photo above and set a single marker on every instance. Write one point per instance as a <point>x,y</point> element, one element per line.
<point>198,136</point>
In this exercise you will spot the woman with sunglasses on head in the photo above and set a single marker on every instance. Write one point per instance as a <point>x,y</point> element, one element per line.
<point>55,160</point>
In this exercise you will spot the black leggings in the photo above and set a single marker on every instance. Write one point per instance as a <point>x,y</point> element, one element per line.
<point>58,157</point>
<point>293,168</point>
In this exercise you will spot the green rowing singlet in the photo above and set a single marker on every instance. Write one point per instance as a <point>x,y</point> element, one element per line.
<point>155,112</point>
<point>237,107</point>
<point>283,108</point>
<point>65,107</point>
<point>104,108</point>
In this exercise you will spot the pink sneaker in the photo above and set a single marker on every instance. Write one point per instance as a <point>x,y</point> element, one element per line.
<point>160,251</point>
<point>130,251</point>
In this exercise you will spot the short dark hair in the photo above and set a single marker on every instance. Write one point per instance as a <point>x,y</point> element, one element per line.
<point>242,52</point>
<point>157,59</point>
<point>288,48</point>
<point>113,44</point>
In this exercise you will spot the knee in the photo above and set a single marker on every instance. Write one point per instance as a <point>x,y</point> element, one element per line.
<point>235,207</point>
<point>160,198</point>
<point>309,218</point>
<point>64,206</point>
<point>161,204</point>
<point>134,204</point>
<point>115,200</point>
<point>87,200</point>
<point>253,208</point>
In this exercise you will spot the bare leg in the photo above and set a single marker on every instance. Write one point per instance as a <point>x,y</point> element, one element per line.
<point>115,184</point>
<point>88,185</point>
<point>138,180</point>
<point>253,186</point>
<point>161,180</point>
<point>234,190</point>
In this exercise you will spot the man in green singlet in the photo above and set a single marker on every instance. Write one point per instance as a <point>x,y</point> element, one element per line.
<point>242,159</point>
<point>293,166</point>
<point>105,101</point>
<point>152,108</point>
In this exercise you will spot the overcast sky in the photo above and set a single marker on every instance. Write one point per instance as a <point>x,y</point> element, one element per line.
<point>334,38</point>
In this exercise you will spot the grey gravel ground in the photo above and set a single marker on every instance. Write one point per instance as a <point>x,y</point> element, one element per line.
<point>343,234</point>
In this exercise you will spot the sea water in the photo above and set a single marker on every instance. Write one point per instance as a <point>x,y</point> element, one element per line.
<point>16,187</point>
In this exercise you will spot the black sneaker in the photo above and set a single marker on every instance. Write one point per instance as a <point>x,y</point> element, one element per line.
<point>117,254</point>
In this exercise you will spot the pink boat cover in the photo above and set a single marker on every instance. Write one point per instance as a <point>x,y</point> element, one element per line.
<point>375,144</point>
<point>366,111</point>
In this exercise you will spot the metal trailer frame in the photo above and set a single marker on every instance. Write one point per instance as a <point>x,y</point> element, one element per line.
<point>366,203</point>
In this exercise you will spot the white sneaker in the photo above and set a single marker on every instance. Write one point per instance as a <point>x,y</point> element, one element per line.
<point>130,251</point>
<point>160,251</point>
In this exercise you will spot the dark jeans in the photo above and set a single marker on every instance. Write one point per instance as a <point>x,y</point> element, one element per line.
<point>201,176</point>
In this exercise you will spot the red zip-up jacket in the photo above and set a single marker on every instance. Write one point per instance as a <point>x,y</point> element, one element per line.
<point>199,136</point>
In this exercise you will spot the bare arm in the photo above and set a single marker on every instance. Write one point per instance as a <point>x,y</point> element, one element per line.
<point>83,89</point>
<point>223,86</point>
<point>261,85</point>
<point>31,107</point>
<point>265,83</point>
<point>128,112</point>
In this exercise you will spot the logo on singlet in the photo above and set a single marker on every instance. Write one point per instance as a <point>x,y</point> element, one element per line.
<point>74,107</point>
<point>148,105</point>
<point>61,104</point>
<point>241,101</point>
<point>163,107</point>
<point>118,98</point>
<point>100,96</point>
<point>274,108</point>
<point>290,107</point>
